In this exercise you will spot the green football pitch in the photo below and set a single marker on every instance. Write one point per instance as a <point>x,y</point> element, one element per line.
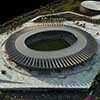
<point>49,44</point>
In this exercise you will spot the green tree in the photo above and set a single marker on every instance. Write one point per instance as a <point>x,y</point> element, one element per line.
<point>97,98</point>
<point>84,25</point>
<point>3,72</point>
<point>4,96</point>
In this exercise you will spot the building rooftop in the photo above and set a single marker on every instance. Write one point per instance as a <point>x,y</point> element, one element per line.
<point>92,5</point>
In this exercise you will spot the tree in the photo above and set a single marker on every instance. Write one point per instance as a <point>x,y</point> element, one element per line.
<point>77,23</point>
<point>97,33</point>
<point>4,96</point>
<point>3,71</point>
<point>84,25</point>
<point>97,98</point>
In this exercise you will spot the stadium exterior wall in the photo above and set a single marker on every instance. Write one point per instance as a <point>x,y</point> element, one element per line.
<point>87,11</point>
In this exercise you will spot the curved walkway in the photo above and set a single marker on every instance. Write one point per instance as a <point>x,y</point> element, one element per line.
<point>66,12</point>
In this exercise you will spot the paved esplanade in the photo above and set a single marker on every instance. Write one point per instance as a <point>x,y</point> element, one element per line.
<point>80,51</point>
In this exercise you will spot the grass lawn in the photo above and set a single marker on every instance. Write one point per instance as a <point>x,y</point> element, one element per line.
<point>67,6</point>
<point>48,45</point>
<point>60,6</point>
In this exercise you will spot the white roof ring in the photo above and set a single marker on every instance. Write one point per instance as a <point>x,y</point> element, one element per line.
<point>92,5</point>
<point>80,51</point>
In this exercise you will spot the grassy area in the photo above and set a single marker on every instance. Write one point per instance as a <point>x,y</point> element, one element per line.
<point>98,21</point>
<point>54,7</point>
<point>50,44</point>
<point>4,96</point>
<point>67,6</point>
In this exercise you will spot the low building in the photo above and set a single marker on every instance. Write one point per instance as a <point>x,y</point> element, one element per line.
<point>90,7</point>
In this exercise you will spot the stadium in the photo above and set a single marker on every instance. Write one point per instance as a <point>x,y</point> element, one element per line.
<point>61,47</point>
<point>49,57</point>
<point>53,59</point>
<point>52,56</point>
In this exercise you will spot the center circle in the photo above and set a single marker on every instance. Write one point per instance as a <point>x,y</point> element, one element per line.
<point>50,40</point>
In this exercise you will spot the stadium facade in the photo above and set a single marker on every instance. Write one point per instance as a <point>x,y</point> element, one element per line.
<point>82,47</point>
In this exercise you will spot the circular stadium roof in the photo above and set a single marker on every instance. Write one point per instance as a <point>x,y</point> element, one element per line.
<point>83,49</point>
<point>93,5</point>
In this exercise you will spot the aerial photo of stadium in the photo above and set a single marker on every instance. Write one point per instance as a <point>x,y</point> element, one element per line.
<point>73,53</point>
<point>51,52</point>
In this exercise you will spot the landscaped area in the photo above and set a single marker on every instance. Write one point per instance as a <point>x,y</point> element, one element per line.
<point>55,7</point>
